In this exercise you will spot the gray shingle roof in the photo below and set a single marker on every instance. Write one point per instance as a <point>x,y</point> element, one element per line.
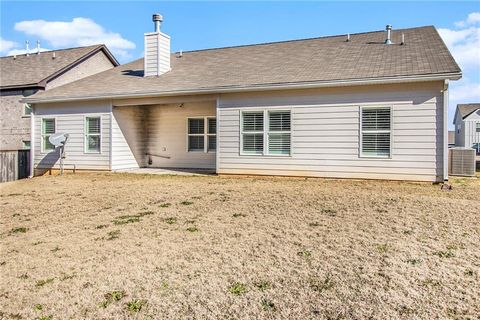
<point>32,70</point>
<point>299,61</point>
<point>467,109</point>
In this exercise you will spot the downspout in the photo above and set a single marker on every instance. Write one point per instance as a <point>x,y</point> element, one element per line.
<point>445,130</point>
<point>217,152</point>
<point>110,142</point>
<point>32,142</point>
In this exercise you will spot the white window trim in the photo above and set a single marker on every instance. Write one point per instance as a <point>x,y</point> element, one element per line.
<point>42,135</point>
<point>265,132</point>
<point>205,134</point>
<point>86,134</point>
<point>360,153</point>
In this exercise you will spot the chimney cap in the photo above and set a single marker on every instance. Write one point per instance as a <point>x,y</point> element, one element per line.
<point>157,17</point>
<point>388,27</point>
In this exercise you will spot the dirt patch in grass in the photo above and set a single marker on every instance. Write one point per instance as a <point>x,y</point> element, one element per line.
<point>117,246</point>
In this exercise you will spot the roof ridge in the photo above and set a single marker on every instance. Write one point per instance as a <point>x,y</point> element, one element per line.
<point>56,50</point>
<point>302,39</point>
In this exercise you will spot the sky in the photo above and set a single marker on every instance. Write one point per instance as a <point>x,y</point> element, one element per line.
<point>198,25</point>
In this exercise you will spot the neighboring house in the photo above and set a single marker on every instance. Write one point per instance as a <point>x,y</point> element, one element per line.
<point>451,139</point>
<point>366,105</point>
<point>467,126</point>
<point>24,75</point>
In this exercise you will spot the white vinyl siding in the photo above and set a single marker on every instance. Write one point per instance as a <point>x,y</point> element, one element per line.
<point>93,136</point>
<point>48,128</point>
<point>376,131</point>
<point>70,118</point>
<point>325,132</point>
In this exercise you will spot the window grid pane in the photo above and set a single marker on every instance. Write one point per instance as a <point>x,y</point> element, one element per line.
<point>253,143</point>
<point>93,143</point>
<point>253,121</point>
<point>196,126</point>
<point>279,121</point>
<point>376,144</point>
<point>93,125</point>
<point>196,143</point>
<point>48,126</point>
<point>376,119</point>
<point>212,125</point>
<point>46,144</point>
<point>279,143</point>
<point>212,143</point>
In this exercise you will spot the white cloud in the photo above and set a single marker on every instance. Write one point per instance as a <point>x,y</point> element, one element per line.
<point>78,32</point>
<point>472,18</point>
<point>6,45</point>
<point>22,51</point>
<point>464,44</point>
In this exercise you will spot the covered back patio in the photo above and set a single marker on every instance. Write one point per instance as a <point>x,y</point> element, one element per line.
<point>167,133</point>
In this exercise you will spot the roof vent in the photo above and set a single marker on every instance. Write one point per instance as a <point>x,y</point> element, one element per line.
<point>389,34</point>
<point>38,46</point>
<point>157,19</point>
<point>53,55</point>
<point>348,37</point>
<point>27,48</point>
<point>180,54</point>
<point>403,39</point>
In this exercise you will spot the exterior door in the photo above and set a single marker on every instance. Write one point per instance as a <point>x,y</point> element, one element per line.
<point>23,164</point>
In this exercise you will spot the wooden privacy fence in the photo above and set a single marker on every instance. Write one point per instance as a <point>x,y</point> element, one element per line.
<point>14,165</point>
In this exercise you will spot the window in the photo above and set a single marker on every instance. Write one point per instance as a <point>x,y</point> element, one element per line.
<point>376,132</point>
<point>476,146</point>
<point>27,109</point>
<point>212,134</point>
<point>478,126</point>
<point>92,134</point>
<point>26,144</point>
<point>273,125</point>
<point>48,128</point>
<point>252,132</point>
<point>202,134</point>
<point>279,132</point>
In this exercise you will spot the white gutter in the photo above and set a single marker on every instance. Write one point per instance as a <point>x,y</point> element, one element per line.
<point>282,86</point>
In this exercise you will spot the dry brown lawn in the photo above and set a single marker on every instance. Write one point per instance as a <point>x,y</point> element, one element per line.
<point>115,246</point>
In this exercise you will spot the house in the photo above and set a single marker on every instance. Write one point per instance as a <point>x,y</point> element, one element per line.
<point>368,105</point>
<point>26,74</point>
<point>467,126</point>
